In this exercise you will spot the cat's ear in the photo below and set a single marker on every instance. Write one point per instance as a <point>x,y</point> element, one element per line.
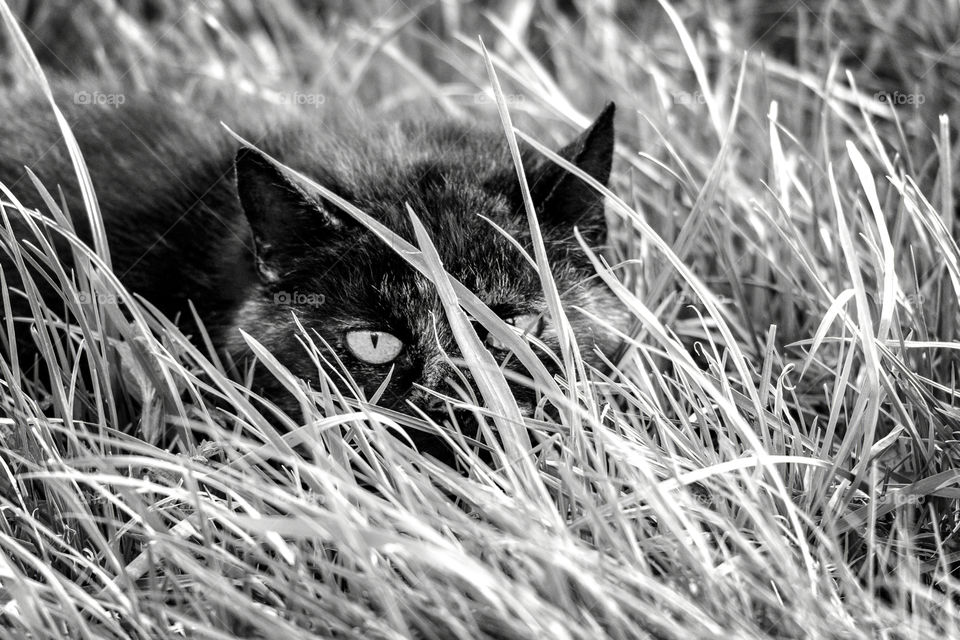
<point>563,199</point>
<point>282,215</point>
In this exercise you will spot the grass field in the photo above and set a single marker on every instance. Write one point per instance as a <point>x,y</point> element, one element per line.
<point>772,455</point>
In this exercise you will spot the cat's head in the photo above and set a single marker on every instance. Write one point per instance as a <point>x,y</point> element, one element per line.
<point>379,315</point>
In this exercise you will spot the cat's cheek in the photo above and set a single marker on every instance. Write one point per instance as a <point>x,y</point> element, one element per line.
<point>256,318</point>
<point>601,328</point>
<point>370,377</point>
<point>270,323</point>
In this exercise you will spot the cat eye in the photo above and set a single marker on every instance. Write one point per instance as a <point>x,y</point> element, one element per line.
<point>374,347</point>
<point>524,324</point>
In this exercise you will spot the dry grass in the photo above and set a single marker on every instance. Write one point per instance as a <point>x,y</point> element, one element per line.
<point>791,475</point>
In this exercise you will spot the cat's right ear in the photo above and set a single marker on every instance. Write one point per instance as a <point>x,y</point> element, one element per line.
<point>282,215</point>
<point>564,200</point>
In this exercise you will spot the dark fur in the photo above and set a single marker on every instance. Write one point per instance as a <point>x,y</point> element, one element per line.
<point>167,179</point>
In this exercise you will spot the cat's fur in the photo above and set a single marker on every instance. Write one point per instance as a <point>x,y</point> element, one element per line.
<point>178,202</point>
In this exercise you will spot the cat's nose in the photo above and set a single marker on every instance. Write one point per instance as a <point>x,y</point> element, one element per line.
<point>427,402</point>
<point>435,373</point>
<point>434,404</point>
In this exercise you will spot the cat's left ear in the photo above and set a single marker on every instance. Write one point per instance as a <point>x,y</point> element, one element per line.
<point>284,220</point>
<point>562,198</point>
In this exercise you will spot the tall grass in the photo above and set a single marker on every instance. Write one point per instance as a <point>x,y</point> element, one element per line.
<point>770,455</point>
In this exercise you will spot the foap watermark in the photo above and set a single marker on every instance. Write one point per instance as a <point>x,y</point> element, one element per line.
<point>301,99</point>
<point>482,97</point>
<point>860,512</point>
<point>899,98</point>
<point>98,298</point>
<point>692,299</point>
<point>299,298</point>
<point>99,98</point>
<point>689,97</point>
<point>900,499</point>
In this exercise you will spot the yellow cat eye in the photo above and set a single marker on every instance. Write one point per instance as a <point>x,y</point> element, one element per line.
<point>524,324</point>
<point>374,347</point>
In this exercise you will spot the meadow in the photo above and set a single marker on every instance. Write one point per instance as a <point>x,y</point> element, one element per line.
<point>770,455</point>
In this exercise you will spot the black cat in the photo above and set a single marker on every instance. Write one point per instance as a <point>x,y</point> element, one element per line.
<point>189,216</point>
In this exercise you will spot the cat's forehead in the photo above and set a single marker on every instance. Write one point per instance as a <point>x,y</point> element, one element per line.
<point>406,298</point>
<point>452,200</point>
<point>482,253</point>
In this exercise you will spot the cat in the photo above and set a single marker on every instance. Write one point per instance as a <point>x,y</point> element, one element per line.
<point>192,215</point>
